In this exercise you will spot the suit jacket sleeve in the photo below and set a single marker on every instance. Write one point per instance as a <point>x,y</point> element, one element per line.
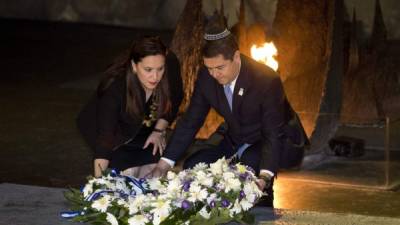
<point>273,121</point>
<point>190,123</point>
<point>108,108</point>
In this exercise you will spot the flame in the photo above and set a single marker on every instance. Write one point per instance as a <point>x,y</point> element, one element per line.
<point>266,54</point>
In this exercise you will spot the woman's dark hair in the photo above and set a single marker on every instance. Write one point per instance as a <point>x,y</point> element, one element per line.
<point>145,46</point>
<point>226,46</point>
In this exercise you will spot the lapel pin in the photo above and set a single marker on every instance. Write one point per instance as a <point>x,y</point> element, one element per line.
<point>241,90</point>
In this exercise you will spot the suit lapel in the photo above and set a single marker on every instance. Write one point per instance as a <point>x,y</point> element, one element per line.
<point>241,87</point>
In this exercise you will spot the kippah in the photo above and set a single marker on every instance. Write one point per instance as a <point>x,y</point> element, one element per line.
<point>213,37</point>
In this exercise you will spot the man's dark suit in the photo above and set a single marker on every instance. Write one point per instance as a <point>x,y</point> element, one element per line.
<point>258,116</point>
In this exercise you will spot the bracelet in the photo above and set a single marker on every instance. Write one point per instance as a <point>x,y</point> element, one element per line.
<point>158,130</point>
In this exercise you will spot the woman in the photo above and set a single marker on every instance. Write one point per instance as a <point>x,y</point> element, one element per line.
<point>132,109</point>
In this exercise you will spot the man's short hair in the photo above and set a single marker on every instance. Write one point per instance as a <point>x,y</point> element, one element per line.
<point>226,46</point>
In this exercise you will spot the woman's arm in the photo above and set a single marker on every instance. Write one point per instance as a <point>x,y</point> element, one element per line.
<point>161,124</point>
<point>108,108</point>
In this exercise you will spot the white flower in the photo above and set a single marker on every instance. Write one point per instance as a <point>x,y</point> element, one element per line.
<point>157,219</point>
<point>102,203</point>
<point>111,219</point>
<point>232,184</point>
<point>182,174</point>
<point>204,213</point>
<point>228,175</point>
<point>256,189</point>
<point>212,197</point>
<point>220,186</point>
<point>162,208</point>
<point>246,205</point>
<point>204,179</point>
<point>196,193</point>
<point>135,203</point>
<point>120,185</point>
<point>236,209</point>
<point>171,175</point>
<point>200,167</point>
<point>138,220</point>
<point>161,211</point>
<point>216,168</point>
<point>174,186</point>
<point>103,181</point>
<point>241,168</point>
<point>251,197</point>
<point>122,202</point>
<point>251,191</point>
<point>87,190</point>
<point>155,184</point>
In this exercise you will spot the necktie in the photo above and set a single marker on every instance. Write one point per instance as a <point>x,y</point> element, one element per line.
<point>228,94</point>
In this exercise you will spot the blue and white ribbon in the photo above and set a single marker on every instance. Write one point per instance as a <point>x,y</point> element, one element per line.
<point>71,214</point>
<point>137,188</point>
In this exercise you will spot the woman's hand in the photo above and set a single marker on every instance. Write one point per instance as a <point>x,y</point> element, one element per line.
<point>158,140</point>
<point>99,166</point>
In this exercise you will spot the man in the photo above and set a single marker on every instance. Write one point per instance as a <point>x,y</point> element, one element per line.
<point>249,96</point>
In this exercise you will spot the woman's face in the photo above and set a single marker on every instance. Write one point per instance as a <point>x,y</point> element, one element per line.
<point>150,70</point>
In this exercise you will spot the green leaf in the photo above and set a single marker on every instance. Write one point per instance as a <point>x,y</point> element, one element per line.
<point>247,218</point>
<point>178,216</point>
<point>75,198</point>
<point>123,212</point>
<point>216,217</point>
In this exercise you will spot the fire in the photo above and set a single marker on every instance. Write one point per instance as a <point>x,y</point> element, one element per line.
<point>266,54</point>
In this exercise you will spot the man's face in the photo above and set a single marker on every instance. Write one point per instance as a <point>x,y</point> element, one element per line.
<point>221,69</point>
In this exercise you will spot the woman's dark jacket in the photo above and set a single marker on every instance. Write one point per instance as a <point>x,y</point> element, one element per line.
<point>104,122</point>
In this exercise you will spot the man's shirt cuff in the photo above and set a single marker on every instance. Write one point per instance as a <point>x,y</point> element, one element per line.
<point>170,162</point>
<point>267,172</point>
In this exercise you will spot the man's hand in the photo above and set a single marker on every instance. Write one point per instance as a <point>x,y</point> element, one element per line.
<point>261,184</point>
<point>160,170</point>
<point>263,181</point>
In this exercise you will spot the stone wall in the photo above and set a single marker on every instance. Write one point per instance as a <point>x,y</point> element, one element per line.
<point>164,14</point>
<point>311,63</point>
<point>160,14</point>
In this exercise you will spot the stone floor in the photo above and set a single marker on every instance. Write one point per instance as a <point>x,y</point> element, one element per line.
<point>49,70</point>
<point>24,204</point>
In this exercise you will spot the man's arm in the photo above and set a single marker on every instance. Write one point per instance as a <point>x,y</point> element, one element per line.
<point>273,121</point>
<point>186,128</point>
